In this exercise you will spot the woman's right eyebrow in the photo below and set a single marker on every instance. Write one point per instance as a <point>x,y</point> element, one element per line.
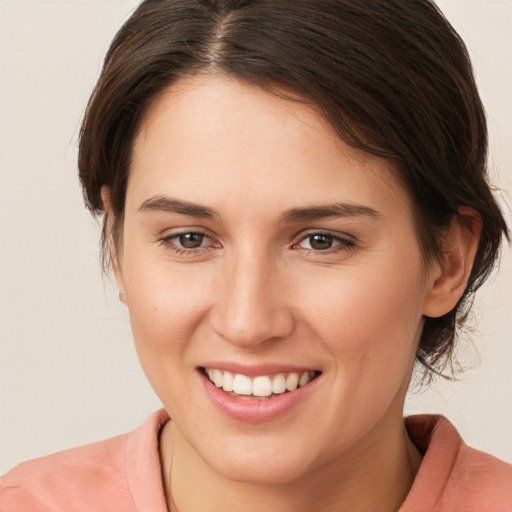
<point>314,212</point>
<point>169,204</point>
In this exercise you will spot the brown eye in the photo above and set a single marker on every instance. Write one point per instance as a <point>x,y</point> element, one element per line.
<point>191,240</point>
<point>320,242</point>
<point>325,243</point>
<point>189,243</point>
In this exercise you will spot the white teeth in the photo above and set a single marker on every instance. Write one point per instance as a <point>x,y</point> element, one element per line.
<point>261,386</point>
<point>292,381</point>
<point>279,384</point>
<point>227,381</point>
<point>217,378</point>
<point>304,379</point>
<point>242,385</point>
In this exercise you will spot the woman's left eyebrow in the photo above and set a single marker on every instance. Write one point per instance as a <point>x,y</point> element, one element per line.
<point>329,210</point>
<point>313,212</point>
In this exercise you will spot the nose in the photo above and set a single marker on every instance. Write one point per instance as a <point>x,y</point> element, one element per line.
<point>251,305</point>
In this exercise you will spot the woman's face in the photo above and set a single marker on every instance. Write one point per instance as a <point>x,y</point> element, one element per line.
<point>258,246</point>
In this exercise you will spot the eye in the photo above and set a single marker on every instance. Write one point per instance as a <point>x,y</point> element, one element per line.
<point>319,242</point>
<point>188,242</point>
<point>324,242</point>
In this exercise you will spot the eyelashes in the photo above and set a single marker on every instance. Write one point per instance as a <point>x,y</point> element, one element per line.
<point>189,242</point>
<point>195,242</point>
<point>324,242</point>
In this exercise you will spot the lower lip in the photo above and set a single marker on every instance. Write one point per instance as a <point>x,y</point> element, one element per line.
<point>254,410</point>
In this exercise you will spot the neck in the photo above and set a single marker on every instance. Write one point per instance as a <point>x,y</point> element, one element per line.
<point>376,475</point>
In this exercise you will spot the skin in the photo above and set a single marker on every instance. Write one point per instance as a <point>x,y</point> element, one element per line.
<point>256,292</point>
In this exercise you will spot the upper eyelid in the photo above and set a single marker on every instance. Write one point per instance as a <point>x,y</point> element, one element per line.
<point>170,239</point>
<point>335,234</point>
<point>166,235</point>
<point>300,235</point>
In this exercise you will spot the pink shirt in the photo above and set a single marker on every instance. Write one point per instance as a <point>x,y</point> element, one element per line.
<point>123,474</point>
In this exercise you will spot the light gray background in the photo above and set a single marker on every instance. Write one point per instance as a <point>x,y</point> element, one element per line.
<point>68,371</point>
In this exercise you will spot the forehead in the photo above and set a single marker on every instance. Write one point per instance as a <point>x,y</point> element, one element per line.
<point>217,140</point>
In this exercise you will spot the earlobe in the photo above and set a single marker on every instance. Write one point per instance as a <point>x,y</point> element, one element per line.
<point>459,250</point>
<point>113,250</point>
<point>105,199</point>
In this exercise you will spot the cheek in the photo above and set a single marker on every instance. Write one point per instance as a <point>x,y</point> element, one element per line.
<point>166,306</point>
<point>369,323</point>
<point>369,318</point>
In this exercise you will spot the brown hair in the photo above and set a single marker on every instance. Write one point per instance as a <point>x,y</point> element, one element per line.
<point>391,76</point>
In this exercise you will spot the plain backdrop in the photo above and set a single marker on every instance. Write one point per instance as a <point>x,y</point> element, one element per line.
<point>69,374</point>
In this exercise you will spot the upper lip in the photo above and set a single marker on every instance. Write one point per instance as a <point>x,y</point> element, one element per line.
<point>254,370</point>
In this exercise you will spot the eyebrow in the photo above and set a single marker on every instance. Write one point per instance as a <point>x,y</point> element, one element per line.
<point>329,210</point>
<point>168,204</point>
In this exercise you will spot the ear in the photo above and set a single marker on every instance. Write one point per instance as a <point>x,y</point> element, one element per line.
<point>448,282</point>
<point>114,257</point>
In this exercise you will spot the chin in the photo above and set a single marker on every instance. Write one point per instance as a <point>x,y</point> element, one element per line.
<point>258,462</point>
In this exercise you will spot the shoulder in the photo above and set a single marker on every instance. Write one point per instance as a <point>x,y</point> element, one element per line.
<point>64,479</point>
<point>484,478</point>
<point>99,476</point>
<point>454,476</point>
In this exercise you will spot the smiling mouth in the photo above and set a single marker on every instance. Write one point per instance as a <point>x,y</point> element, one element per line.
<point>261,387</point>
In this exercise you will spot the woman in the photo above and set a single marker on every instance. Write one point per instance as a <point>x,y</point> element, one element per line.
<point>296,210</point>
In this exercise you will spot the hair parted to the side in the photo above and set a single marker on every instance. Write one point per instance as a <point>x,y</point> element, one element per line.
<point>391,76</point>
